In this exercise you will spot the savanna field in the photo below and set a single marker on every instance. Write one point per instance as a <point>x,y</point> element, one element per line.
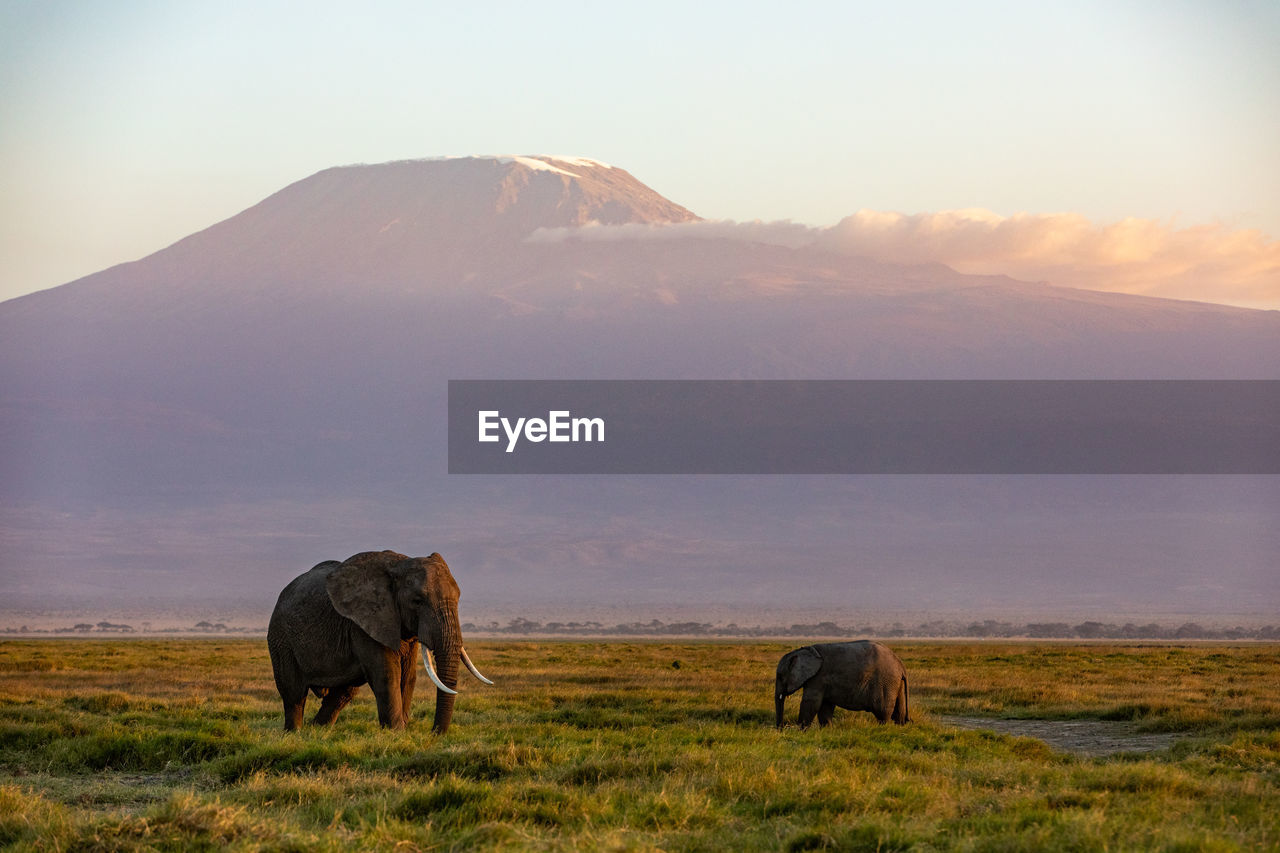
<point>174,744</point>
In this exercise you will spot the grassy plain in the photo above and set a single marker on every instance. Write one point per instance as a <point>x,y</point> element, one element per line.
<point>176,745</point>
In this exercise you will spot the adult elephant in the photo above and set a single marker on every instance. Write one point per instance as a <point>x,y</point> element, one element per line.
<point>860,676</point>
<point>361,621</point>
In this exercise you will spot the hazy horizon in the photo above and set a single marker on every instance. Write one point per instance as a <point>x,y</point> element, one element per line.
<point>250,616</point>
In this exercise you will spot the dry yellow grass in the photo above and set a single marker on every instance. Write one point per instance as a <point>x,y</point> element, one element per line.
<point>176,744</point>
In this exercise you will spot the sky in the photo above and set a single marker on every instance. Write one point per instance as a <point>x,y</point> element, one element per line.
<point>125,126</point>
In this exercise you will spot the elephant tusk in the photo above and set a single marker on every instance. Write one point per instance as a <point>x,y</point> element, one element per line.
<point>431,671</point>
<point>472,667</point>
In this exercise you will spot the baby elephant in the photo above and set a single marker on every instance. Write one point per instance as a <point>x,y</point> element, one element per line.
<point>860,676</point>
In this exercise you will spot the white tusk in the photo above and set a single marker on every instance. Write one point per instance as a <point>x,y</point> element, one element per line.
<point>431,671</point>
<point>472,668</point>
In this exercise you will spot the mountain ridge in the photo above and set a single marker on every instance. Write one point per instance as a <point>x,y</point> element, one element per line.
<point>409,233</point>
<point>271,391</point>
<point>390,245</point>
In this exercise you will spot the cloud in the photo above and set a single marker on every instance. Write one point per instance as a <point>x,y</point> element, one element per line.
<point>1211,263</point>
<point>1208,263</point>
<point>782,233</point>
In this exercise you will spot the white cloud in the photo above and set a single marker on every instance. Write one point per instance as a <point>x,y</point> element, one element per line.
<point>1208,263</point>
<point>1211,263</point>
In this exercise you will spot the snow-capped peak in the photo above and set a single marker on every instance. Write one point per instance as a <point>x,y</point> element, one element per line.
<point>540,162</point>
<point>580,161</point>
<point>535,163</point>
<point>555,163</point>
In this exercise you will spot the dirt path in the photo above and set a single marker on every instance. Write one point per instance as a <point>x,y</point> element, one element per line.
<point>1084,737</point>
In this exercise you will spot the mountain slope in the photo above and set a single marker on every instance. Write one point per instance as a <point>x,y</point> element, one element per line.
<point>415,214</point>
<point>287,368</point>
<point>365,288</point>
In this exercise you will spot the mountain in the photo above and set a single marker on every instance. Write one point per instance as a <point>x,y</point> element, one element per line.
<point>279,378</point>
<point>415,220</point>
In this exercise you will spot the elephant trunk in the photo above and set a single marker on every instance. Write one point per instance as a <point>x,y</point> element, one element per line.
<point>448,650</point>
<point>779,699</point>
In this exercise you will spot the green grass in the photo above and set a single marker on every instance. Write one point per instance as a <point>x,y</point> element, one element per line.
<point>176,745</point>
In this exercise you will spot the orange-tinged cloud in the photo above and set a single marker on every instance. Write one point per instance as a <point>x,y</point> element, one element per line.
<point>1207,263</point>
<point>1210,263</point>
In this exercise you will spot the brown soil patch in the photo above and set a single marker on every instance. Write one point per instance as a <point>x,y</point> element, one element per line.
<point>1084,737</point>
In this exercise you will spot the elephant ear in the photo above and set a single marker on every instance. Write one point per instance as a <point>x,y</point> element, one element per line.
<point>804,665</point>
<point>360,590</point>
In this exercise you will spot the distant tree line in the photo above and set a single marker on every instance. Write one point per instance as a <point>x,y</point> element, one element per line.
<point>989,628</point>
<point>1089,630</point>
<point>104,627</point>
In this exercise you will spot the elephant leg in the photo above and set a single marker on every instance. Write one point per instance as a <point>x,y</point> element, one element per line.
<point>293,695</point>
<point>824,713</point>
<point>334,701</point>
<point>900,706</point>
<point>809,705</point>
<point>293,711</point>
<point>408,680</point>
<point>882,704</point>
<point>386,692</point>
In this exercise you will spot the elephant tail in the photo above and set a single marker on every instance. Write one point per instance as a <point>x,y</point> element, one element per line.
<point>906,711</point>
